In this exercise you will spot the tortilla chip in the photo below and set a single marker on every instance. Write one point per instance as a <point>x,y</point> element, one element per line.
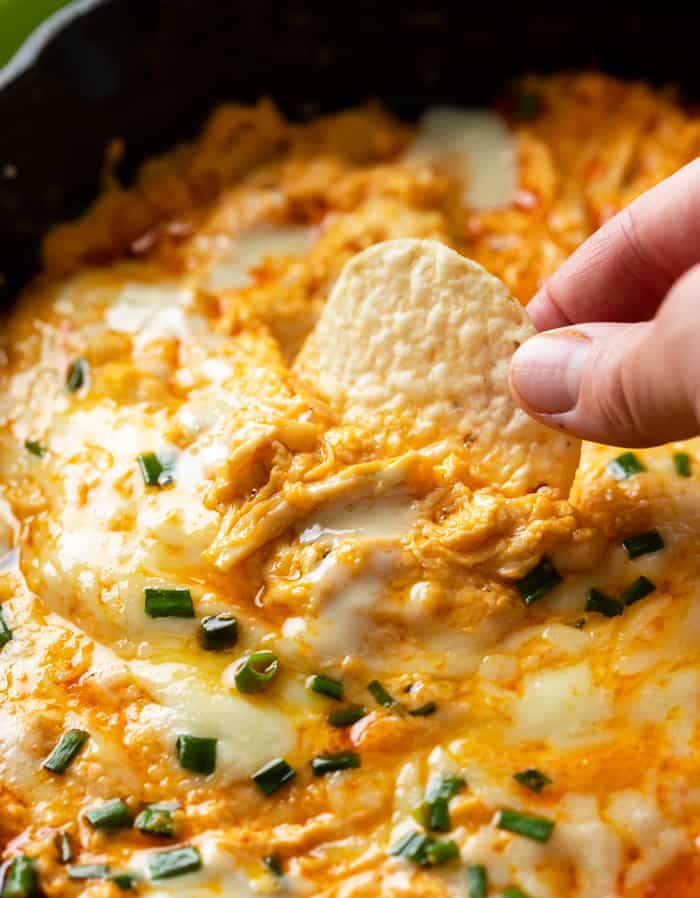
<point>414,345</point>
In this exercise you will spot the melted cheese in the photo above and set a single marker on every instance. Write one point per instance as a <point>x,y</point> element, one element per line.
<point>475,147</point>
<point>235,258</point>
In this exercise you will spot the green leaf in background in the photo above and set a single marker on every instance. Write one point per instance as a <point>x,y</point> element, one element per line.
<point>18,18</point>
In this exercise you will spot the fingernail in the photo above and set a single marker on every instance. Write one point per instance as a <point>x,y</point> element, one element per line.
<point>547,370</point>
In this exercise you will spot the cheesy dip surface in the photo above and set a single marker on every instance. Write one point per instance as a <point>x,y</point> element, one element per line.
<point>252,647</point>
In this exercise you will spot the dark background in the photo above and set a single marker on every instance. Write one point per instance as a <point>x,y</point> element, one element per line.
<point>149,70</point>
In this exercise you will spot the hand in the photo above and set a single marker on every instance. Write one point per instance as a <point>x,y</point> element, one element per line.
<point>625,384</point>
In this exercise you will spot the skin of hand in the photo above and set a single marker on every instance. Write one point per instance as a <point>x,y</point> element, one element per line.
<point>617,359</point>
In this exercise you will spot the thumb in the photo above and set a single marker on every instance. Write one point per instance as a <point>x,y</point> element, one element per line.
<point>620,384</point>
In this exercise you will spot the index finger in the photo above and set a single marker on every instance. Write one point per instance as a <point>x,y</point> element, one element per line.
<point>624,270</point>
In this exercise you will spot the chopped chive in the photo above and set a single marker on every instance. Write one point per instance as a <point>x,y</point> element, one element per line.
<point>681,462</point>
<point>273,775</point>
<point>411,847</point>
<point>527,105</point>
<point>513,892</point>
<point>274,865</point>
<point>439,815</point>
<point>424,710</point>
<point>196,753</point>
<point>35,448</point>
<point>255,671</point>
<point>477,881</point>
<point>447,787</point>
<point>533,779</point>
<point>77,375</point>
<point>64,847</point>
<point>156,820</point>
<point>625,465</point>
<point>643,543</point>
<point>158,469</point>
<point>219,631</point>
<point>110,816</point>
<point>326,686</point>
<point>438,852</point>
<point>21,880</point>
<point>125,882</point>
<point>88,871</point>
<point>382,697</point>
<point>433,813</point>
<point>538,581</point>
<point>168,602</point>
<point>66,751</point>
<point>5,632</point>
<point>598,601</point>
<point>342,760</point>
<point>641,587</point>
<point>424,850</point>
<point>176,862</point>
<point>528,825</point>
<point>345,717</point>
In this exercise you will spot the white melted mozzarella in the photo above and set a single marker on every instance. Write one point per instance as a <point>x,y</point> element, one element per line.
<point>564,707</point>
<point>473,146</point>
<point>248,734</point>
<point>234,261</point>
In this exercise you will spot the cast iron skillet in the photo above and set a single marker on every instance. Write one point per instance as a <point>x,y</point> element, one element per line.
<point>149,70</point>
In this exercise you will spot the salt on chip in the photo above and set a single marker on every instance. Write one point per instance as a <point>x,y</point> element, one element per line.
<point>414,344</point>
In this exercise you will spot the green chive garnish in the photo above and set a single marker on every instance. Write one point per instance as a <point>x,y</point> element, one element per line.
<point>625,465</point>
<point>438,852</point>
<point>274,865</point>
<point>424,710</point>
<point>424,850</point>
<point>381,696</point>
<point>125,882</point>
<point>533,779</point>
<point>643,543</point>
<point>5,632</point>
<point>273,775</point>
<point>66,751</point>
<point>433,813</point>
<point>219,631</point>
<point>77,375</point>
<point>326,686</point>
<point>156,820</point>
<point>110,816</point>
<point>538,581</point>
<point>513,892</point>
<point>537,828</point>
<point>196,753</point>
<point>411,847</point>
<point>22,880</point>
<point>35,448</point>
<point>447,787</point>
<point>342,760</point>
<point>681,462</point>
<point>256,671</point>
<point>157,469</point>
<point>168,602</point>
<point>641,587</point>
<point>88,871</point>
<point>477,881</point>
<point>345,717</point>
<point>64,847</point>
<point>598,601</point>
<point>176,862</point>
